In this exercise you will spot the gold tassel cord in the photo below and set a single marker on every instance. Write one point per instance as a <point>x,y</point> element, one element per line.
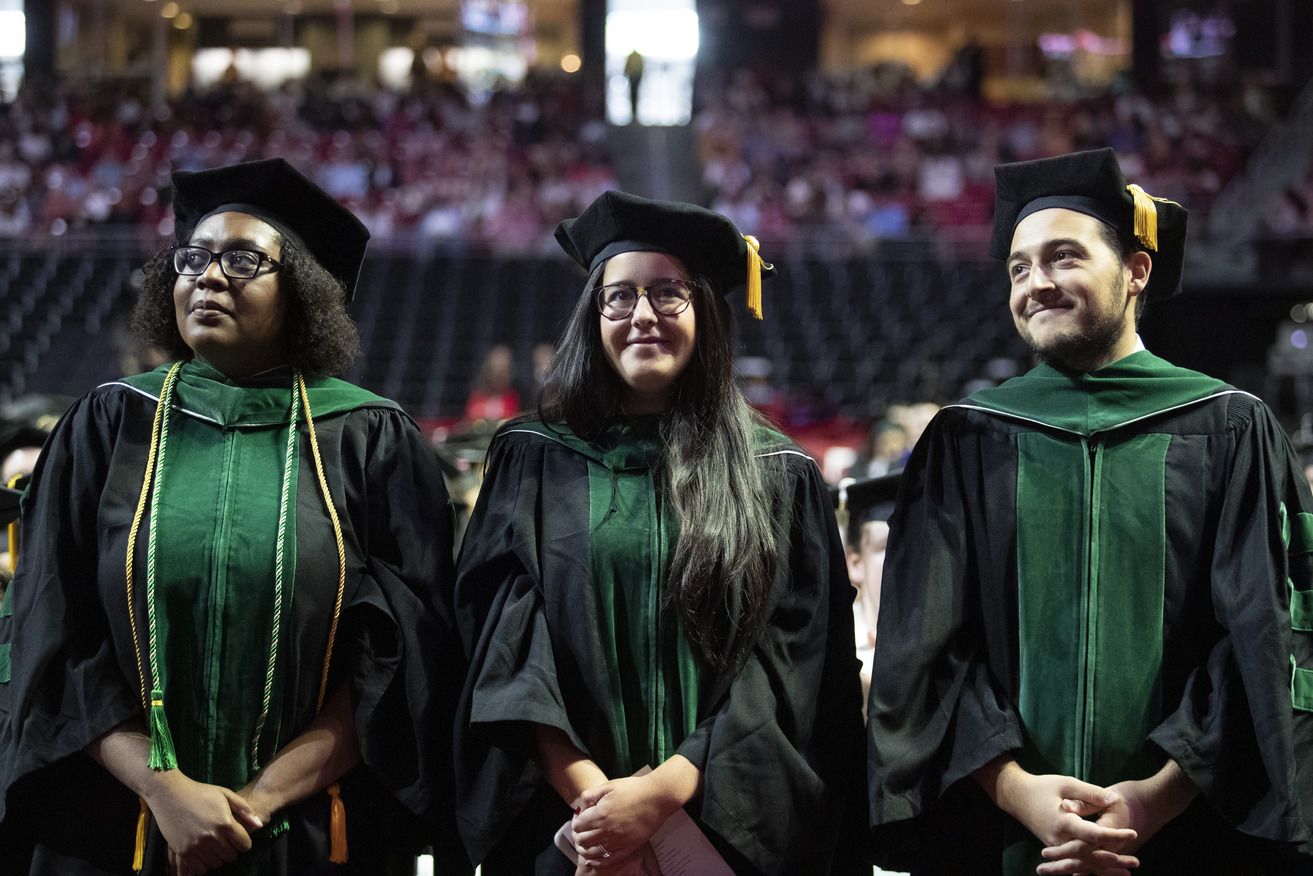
<point>1146,216</point>
<point>337,840</point>
<point>13,531</point>
<point>337,538</point>
<point>755,265</point>
<point>337,849</point>
<point>136,526</point>
<point>139,847</point>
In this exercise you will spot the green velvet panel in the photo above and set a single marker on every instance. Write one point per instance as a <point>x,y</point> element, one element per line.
<point>1298,535</point>
<point>1301,533</point>
<point>1053,484</point>
<point>1301,687</point>
<point>219,508</point>
<point>613,613</point>
<point>1301,609</point>
<point>4,663</point>
<point>1124,692</point>
<point>1090,554</point>
<point>652,672</point>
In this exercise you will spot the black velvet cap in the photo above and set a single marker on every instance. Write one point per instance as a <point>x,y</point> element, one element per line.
<point>704,240</point>
<point>867,501</point>
<point>273,190</point>
<point>1092,183</point>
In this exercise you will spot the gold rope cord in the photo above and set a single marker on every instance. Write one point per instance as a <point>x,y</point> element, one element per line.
<point>337,537</point>
<point>337,811</point>
<point>136,525</point>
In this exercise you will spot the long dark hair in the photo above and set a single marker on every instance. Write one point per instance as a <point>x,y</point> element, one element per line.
<point>320,336</point>
<point>724,564</point>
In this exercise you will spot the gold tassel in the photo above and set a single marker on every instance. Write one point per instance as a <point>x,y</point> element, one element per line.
<point>13,530</point>
<point>1146,217</point>
<point>337,851</point>
<point>139,848</point>
<point>754,276</point>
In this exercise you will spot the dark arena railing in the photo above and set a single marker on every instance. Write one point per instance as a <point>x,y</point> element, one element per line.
<point>845,330</point>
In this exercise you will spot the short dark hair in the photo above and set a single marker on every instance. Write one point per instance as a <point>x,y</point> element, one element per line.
<point>1123,246</point>
<point>321,338</point>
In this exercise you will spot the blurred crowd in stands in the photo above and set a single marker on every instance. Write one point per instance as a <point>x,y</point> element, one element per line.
<point>504,169</point>
<point>874,154</point>
<point>866,155</point>
<point>1285,244</point>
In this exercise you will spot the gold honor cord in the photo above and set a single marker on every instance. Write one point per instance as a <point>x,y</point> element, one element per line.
<point>337,812</point>
<point>166,392</point>
<point>280,551</point>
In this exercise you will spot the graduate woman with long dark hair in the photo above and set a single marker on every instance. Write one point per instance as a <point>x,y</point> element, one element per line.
<point>225,636</point>
<point>652,578</point>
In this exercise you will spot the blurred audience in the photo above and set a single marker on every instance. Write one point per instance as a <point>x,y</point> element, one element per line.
<point>865,155</point>
<point>430,161</point>
<point>493,396</point>
<point>874,154</point>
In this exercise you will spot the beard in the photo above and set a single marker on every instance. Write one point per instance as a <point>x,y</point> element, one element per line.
<point>1085,347</point>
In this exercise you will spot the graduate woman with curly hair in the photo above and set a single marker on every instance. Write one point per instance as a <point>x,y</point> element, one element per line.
<point>225,631</point>
<point>652,577</point>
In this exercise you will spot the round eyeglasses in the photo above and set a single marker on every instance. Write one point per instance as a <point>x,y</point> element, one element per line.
<point>667,297</point>
<point>236,264</point>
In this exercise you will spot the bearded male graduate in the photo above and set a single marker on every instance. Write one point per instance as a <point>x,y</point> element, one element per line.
<point>1095,649</point>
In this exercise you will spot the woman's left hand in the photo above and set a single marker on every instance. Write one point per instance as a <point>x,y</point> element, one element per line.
<point>617,818</point>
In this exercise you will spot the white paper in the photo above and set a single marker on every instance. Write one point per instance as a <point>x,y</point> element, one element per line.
<point>682,849</point>
<point>565,842</point>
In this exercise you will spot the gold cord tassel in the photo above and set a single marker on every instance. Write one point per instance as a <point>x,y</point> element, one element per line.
<point>13,531</point>
<point>337,850</point>
<point>754,276</point>
<point>139,848</point>
<point>1146,217</point>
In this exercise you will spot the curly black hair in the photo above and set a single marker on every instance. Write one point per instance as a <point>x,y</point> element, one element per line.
<point>321,337</point>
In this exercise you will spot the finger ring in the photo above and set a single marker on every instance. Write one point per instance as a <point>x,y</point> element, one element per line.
<point>605,853</point>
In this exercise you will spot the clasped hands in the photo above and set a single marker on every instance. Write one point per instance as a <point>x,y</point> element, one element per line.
<point>1087,829</point>
<point>1084,828</point>
<point>613,823</point>
<point>205,826</point>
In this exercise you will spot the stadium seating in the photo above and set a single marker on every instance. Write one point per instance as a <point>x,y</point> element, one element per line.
<point>848,333</point>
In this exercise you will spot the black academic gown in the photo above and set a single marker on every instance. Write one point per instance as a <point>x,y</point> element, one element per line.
<point>74,676</point>
<point>1097,573</point>
<point>778,741</point>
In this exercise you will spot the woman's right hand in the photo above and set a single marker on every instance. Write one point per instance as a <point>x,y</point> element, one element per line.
<point>205,826</point>
<point>642,862</point>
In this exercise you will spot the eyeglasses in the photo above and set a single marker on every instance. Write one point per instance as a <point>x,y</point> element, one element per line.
<point>667,297</point>
<point>236,264</point>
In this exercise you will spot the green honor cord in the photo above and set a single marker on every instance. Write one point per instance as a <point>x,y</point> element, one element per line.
<point>289,460</point>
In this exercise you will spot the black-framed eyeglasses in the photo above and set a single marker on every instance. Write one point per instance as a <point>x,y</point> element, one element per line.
<point>667,297</point>
<point>236,264</point>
